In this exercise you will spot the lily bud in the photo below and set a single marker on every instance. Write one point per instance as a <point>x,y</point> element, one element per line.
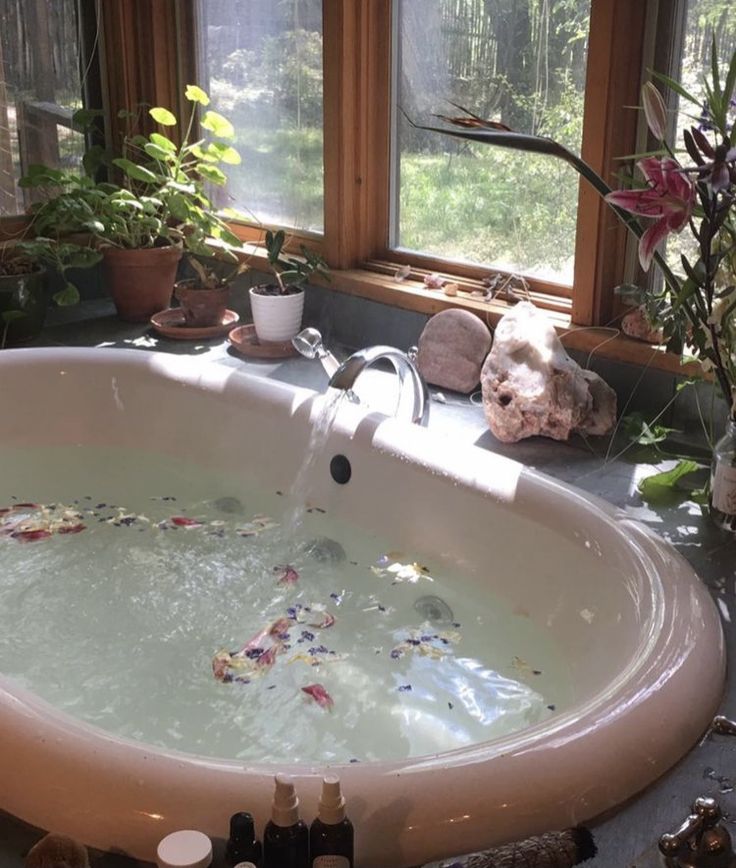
<point>654,110</point>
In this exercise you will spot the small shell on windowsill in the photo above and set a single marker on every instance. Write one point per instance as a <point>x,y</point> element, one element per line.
<point>450,288</point>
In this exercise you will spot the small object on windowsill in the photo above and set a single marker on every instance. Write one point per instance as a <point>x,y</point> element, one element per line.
<point>451,288</point>
<point>636,324</point>
<point>507,287</point>
<point>57,851</point>
<point>551,850</point>
<point>434,281</point>
<point>401,273</point>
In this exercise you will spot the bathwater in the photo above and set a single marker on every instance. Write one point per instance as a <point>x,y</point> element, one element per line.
<point>165,604</point>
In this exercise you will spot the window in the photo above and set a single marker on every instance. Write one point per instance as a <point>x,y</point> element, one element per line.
<point>315,88</point>
<point>40,88</point>
<point>262,65</point>
<point>522,64</point>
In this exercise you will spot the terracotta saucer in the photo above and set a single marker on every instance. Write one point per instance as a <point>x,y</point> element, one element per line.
<point>170,323</point>
<point>245,341</point>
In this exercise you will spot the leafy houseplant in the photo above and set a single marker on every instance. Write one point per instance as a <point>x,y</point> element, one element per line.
<point>23,284</point>
<point>161,207</point>
<point>696,307</point>
<point>204,298</point>
<point>277,307</point>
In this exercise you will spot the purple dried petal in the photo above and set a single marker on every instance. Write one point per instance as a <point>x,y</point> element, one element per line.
<point>395,654</point>
<point>403,688</point>
<point>307,636</point>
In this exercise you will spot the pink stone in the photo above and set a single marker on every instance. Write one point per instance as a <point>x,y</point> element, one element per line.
<point>636,324</point>
<point>532,387</point>
<point>452,348</point>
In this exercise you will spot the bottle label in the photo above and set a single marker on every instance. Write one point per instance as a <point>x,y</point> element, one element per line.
<point>724,489</point>
<point>331,862</point>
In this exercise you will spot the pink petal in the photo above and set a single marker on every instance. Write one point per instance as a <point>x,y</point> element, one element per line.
<point>645,203</point>
<point>30,535</point>
<point>289,576</point>
<point>183,521</point>
<point>268,658</point>
<point>327,621</point>
<point>72,528</point>
<point>319,695</point>
<point>656,233</point>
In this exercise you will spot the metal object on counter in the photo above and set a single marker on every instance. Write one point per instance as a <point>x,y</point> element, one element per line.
<point>723,725</point>
<point>349,371</point>
<point>700,841</point>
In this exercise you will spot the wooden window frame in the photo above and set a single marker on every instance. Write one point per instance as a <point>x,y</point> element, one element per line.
<point>147,68</point>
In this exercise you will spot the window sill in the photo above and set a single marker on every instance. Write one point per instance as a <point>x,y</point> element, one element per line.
<point>376,283</point>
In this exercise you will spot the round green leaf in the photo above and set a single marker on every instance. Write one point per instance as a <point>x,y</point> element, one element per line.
<point>226,153</point>
<point>68,295</point>
<point>163,143</point>
<point>196,94</point>
<point>217,124</point>
<point>157,152</point>
<point>163,116</point>
<point>132,170</point>
<point>212,173</point>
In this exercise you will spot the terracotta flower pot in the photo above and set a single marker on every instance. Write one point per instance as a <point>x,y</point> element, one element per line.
<point>276,317</point>
<point>140,281</point>
<point>201,307</point>
<point>23,304</point>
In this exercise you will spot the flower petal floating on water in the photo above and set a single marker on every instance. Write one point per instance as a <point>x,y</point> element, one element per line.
<point>320,695</point>
<point>31,535</point>
<point>327,621</point>
<point>287,574</point>
<point>183,521</point>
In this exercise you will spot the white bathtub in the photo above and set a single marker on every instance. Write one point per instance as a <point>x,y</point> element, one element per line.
<point>641,632</point>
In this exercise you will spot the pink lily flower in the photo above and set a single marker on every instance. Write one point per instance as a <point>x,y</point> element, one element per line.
<point>668,199</point>
<point>319,695</point>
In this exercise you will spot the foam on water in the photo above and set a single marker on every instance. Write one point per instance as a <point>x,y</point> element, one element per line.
<point>118,624</point>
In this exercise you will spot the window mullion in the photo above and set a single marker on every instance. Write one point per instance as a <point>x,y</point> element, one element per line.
<point>615,54</point>
<point>356,123</point>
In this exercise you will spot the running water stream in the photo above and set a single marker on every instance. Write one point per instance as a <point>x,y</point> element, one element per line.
<point>298,493</point>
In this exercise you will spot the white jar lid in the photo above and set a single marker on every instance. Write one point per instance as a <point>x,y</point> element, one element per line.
<point>185,849</point>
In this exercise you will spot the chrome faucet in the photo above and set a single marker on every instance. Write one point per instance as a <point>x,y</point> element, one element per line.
<point>700,841</point>
<point>349,371</point>
<point>309,344</point>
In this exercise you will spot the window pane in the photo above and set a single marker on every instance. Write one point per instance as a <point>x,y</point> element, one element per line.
<point>521,62</point>
<point>705,18</point>
<point>262,63</point>
<point>39,90</point>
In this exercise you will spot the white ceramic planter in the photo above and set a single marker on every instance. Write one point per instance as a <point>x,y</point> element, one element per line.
<point>277,317</point>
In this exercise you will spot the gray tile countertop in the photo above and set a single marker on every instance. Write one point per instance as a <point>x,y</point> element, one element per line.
<point>625,839</point>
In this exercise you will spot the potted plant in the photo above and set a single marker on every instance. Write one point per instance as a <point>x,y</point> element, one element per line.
<point>205,297</point>
<point>23,284</point>
<point>277,307</point>
<point>161,208</point>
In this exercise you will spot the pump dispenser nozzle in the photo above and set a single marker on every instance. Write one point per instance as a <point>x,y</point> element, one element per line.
<point>285,809</point>
<point>331,803</point>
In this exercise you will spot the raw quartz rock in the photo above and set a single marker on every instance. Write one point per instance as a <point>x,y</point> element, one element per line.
<point>532,387</point>
<point>452,348</point>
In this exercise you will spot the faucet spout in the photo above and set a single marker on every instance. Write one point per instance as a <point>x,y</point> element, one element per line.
<point>349,371</point>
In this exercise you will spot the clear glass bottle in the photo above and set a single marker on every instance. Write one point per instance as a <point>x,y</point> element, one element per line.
<point>723,480</point>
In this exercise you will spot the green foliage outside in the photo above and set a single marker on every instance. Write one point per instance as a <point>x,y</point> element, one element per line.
<point>520,63</point>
